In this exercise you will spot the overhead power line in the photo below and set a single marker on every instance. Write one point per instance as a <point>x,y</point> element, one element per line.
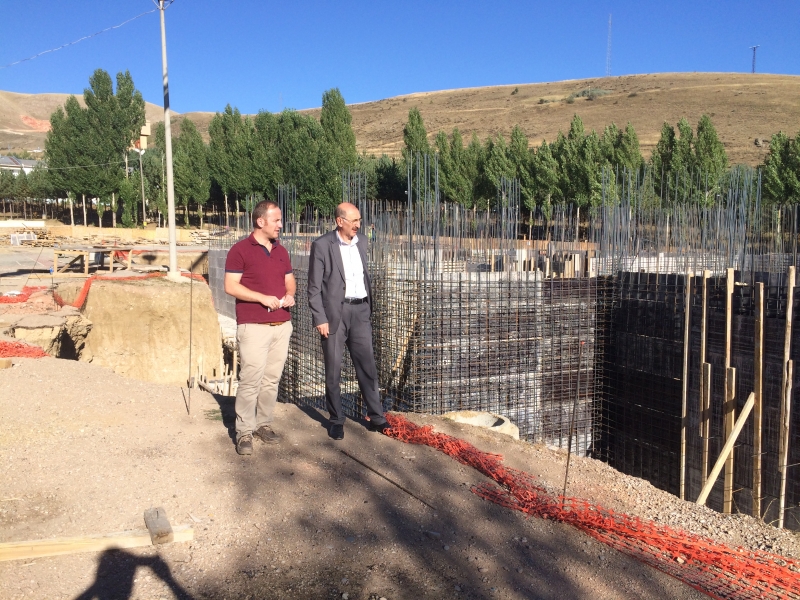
<point>86,37</point>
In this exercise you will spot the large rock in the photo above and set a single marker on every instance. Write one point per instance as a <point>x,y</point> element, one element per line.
<point>141,328</point>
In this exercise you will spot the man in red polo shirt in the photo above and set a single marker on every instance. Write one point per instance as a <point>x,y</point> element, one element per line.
<point>258,273</point>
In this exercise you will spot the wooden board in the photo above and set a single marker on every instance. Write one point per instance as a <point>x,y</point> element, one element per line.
<point>93,543</point>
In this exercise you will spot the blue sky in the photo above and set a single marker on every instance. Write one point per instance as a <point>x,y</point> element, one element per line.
<point>273,55</point>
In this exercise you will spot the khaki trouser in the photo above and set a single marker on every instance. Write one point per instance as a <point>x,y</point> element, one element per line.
<point>262,352</point>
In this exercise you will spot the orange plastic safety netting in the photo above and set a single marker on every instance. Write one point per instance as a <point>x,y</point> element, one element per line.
<point>20,350</point>
<point>23,296</point>
<point>700,562</point>
<point>84,293</point>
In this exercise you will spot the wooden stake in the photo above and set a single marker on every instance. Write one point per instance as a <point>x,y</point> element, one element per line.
<point>706,276</point>
<point>728,411</point>
<point>93,543</point>
<point>685,387</point>
<point>758,372</point>
<point>729,418</point>
<point>727,450</point>
<point>786,397</point>
<point>705,419</point>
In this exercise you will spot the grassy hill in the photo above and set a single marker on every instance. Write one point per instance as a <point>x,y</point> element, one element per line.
<point>742,106</point>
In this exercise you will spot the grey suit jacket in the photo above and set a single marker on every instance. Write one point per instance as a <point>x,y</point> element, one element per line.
<point>326,282</point>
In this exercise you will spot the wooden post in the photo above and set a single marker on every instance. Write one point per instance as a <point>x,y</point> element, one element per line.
<point>784,452</point>
<point>786,396</point>
<point>758,372</point>
<point>727,450</point>
<point>705,419</point>
<point>729,409</point>
<point>706,275</point>
<point>687,307</point>
<point>729,406</point>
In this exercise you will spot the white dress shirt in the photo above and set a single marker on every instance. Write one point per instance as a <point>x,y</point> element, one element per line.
<point>353,268</point>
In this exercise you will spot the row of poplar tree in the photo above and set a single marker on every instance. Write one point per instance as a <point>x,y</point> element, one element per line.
<point>87,155</point>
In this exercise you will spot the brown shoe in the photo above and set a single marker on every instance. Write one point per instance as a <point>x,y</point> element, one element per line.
<point>266,435</point>
<point>244,445</point>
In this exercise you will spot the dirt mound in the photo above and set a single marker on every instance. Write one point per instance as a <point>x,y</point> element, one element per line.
<point>141,328</point>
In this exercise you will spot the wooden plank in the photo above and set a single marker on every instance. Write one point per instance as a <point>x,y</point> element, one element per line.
<point>783,457</point>
<point>93,543</point>
<point>158,525</point>
<point>783,430</point>
<point>703,337</point>
<point>685,387</point>
<point>727,449</point>
<point>758,386</point>
<point>730,416</point>
<point>705,419</point>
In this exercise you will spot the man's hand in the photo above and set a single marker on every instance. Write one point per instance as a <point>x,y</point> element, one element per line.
<point>323,330</point>
<point>287,300</point>
<point>271,302</point>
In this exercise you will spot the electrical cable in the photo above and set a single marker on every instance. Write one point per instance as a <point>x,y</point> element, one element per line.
<point>86,37</point>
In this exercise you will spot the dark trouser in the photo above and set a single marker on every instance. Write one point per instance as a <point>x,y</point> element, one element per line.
<point>354,330</point>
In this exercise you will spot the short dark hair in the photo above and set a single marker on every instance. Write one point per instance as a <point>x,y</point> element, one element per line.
<point>261,209</point>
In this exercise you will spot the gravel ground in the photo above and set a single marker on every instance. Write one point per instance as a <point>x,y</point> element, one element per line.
<point>85,451</point>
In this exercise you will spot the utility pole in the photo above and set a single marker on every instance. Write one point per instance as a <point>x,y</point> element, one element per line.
<point>754,48</point>
<point>608,50</point>
<point>173,246</point>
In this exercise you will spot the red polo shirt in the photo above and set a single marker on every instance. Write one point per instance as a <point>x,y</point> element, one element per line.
<point>262,271</point>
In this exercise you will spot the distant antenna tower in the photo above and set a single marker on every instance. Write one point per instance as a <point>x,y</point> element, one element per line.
<point>608,51</point>
<point>754,48</point>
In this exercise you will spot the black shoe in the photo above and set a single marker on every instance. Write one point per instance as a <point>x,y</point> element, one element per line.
<point>266,435</point>
<point>244,445</point>
<point>336,431</point>
<point>379,427</point>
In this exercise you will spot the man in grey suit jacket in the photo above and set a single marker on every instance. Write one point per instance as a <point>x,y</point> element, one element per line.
<point>340,298</point>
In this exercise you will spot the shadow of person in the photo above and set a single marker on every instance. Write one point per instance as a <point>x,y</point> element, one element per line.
<point>116,570</point>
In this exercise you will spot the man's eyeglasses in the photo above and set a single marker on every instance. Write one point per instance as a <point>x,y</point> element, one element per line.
<point>353,221</point>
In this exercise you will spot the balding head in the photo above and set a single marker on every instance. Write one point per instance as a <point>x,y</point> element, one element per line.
<point>348,220</point>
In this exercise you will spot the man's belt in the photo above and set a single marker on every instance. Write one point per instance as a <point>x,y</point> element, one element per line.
<point>355,300</point>
<point>274,324</point>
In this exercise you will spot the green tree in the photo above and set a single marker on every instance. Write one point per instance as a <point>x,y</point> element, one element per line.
<point>391,181</point>
<point>415,137</point>
<point>129,195</point>
<point>661,160</point>
<point>781,170</point>
<point>498,165</point>
<point>709,153</point>
<point>546,180</point>
<point>192,180</point>
<point>230,156</point>
<point>306,161</point>
<point>85,147</point>
<point>267,164</point>
<point>520,157</point>
<point>336,122</point>
<point>462,181</point>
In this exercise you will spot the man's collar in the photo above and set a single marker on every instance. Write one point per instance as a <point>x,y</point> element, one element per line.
<point>339,239</point>
<point>255,242</point>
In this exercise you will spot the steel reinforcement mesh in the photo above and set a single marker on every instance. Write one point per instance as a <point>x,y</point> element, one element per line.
<point>512,343</point>
<point>640,431</point>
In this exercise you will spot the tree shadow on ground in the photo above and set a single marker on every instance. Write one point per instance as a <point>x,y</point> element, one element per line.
<point>116,570</point>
